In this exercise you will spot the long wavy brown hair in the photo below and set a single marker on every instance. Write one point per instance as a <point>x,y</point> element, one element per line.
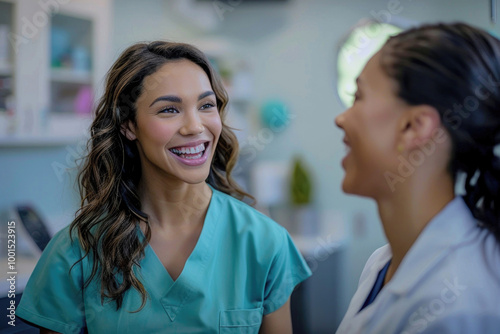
<point>107,222</point>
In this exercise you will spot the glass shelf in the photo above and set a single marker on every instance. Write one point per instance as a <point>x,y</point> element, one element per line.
<point>64,75</point>
<point>63,130</point>
<point>38,140</point>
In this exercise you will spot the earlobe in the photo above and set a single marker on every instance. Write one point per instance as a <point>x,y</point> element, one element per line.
<point>128,130</point>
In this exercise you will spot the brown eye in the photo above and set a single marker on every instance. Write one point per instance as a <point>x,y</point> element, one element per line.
<point>207,106</point>
<point>168,110</point>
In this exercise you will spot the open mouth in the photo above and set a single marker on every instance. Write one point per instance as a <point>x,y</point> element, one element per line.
<point>347,145</point>
<point>190,153</point>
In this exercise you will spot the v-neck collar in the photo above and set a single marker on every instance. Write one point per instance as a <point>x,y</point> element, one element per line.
<point>172,294</point>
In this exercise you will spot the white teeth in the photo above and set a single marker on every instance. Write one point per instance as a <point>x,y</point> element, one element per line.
<point>189,150</point>
<point>193,157</point>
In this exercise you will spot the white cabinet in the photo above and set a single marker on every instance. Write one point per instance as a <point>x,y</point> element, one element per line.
<point>60,52</point>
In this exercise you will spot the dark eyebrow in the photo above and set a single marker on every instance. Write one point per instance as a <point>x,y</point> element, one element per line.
<point>176,99</point>
<point>207,93</point>
<point>170,98</point>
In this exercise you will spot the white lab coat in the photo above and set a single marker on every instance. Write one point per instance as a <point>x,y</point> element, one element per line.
<point>448,282</point>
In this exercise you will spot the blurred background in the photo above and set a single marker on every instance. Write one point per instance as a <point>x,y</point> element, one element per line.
<point>288,66</point>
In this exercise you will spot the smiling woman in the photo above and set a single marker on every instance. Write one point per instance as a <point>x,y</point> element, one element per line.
<point>162,243</point>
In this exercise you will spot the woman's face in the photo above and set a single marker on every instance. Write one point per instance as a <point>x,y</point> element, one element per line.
<point>371,127</point>
<point>177,123</point>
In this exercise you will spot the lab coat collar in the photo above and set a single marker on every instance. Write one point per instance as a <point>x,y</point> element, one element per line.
<point>450,228</point>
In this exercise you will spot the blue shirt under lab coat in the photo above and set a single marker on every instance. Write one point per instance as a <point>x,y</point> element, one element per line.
<point>448,282</point>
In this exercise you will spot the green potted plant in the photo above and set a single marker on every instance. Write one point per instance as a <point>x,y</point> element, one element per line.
<point>301,191</point>
<point>301,186</point>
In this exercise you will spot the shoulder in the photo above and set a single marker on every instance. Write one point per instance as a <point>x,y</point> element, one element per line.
<point>245,219</point>
<point>248,232</point>
<point>463,321</point>
<point>469,262</point>
<point>62,244</point>
<point>475,266</point>
<point>52,297</point>
<point>448,316</point>
<point>460,293</point>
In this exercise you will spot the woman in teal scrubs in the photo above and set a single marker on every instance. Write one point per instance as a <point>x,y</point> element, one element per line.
<point>162,242</point>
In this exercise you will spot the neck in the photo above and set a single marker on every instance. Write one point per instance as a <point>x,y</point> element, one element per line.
<point>174,204</point>
<point>407,211</point>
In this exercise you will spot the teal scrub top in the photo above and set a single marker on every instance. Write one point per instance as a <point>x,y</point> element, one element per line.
<point>243,266</point>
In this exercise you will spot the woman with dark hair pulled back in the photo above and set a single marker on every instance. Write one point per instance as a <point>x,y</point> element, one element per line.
<point>423,135</point>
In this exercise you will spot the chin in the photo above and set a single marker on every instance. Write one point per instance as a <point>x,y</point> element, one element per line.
<point>348,190</point>
<point>195,182</point>
<point>195,179</point>
<point>347,185</point>
<point>351,189</point>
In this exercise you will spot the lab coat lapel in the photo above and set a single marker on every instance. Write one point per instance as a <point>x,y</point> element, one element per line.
<point>355,321</point>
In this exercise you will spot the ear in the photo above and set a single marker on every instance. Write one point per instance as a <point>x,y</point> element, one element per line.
<point>419,126</point>
<point>128,130</point>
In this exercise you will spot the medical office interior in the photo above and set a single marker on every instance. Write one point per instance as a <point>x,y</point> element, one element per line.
<point>288,66</point>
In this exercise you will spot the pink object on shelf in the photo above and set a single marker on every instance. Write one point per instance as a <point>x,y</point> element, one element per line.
<point>83,101</point>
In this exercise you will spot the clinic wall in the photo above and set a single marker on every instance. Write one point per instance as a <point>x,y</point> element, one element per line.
<point>43,177</point>
<point>137,21</point>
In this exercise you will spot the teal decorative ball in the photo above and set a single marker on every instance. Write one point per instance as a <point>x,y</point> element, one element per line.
<point>274,115</point>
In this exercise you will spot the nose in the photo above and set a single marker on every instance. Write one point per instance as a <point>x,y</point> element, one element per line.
<point>192,124</point>
<point>339,120</point>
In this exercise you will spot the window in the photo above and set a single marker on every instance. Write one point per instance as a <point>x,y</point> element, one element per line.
<point>366,38</point>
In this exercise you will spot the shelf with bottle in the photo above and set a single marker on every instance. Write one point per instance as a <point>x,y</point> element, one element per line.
<point>55,70</point>
<point>71,65</point>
